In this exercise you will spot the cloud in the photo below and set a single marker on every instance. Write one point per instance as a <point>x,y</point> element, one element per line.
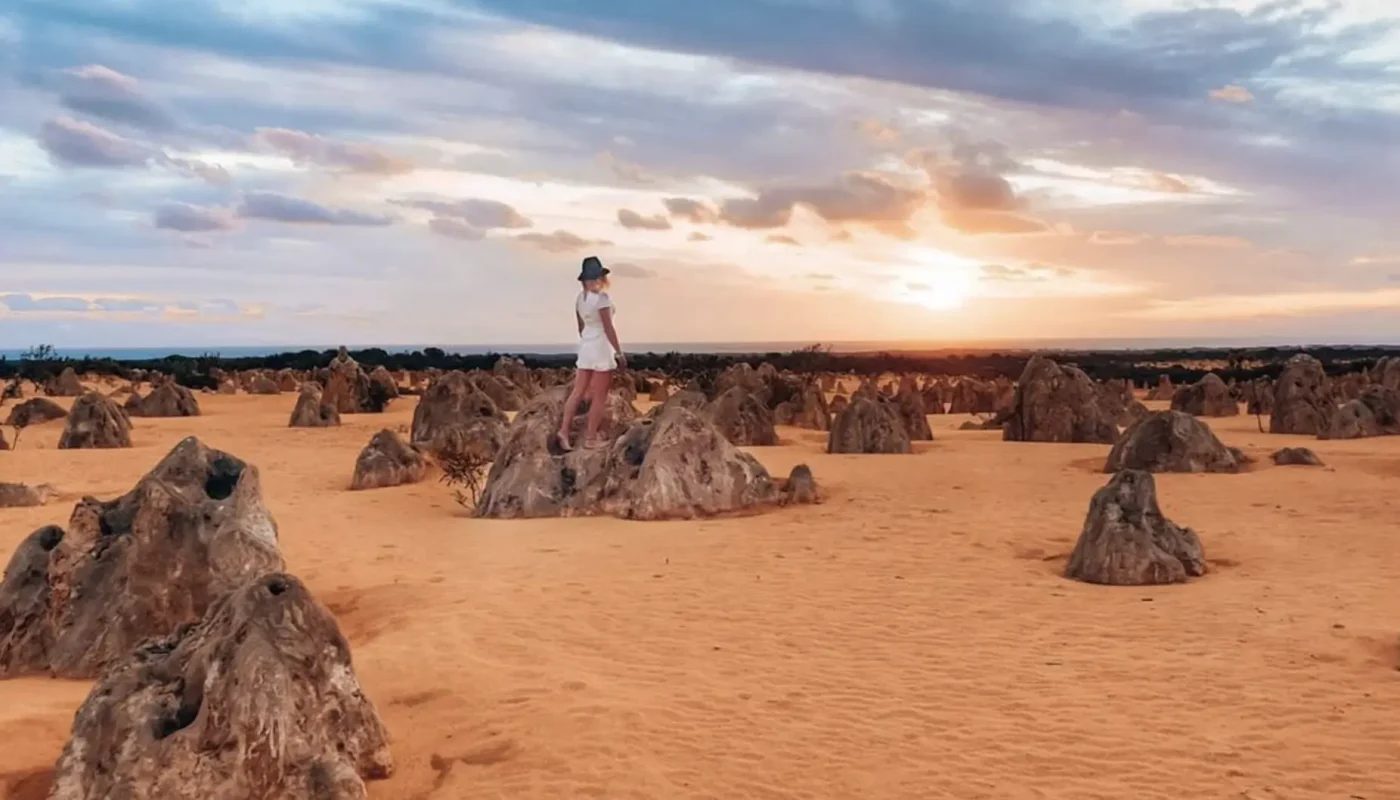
<point>631,220</point>
<point>24,303</point>
<point>624,170</point>
<point>1032,273</point>
<point>1216,242</point>
<point>1170,184</point>
<point>691,210</point>
<point>283,208</point>
<point>629,270</point>
<point>977,223</point>
<point>193,219</point>
<point>307,148</point>
<point>82,144</point>
<point>103,92</point>
<point>560,241</point>
<point>456,229</point>
<point>877,131</point>
<point>777,238</point>
<point>78,143</point>
<point>699,237</point>
<point>1115,238</point>
<point>856,197</point>
<point>478,213</point>
<point>1231,94</point>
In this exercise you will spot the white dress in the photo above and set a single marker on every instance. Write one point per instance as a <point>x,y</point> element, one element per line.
<point>595,352</point>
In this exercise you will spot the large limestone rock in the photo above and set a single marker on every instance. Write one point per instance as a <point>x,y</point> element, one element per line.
<point>742,419</point>
<point>65,385</point>
<point>139,566</point>
<point>1302,398</point>
<point>679,466</point>
<point>532,477</point>
<point>287,381</point>
<point>1386,373</point>
<point>1376,412</point>
<point>19,495</point>
<point>167,400</point>
<point>909,401</point>
<point>1056,403</point>
<point>35,412</point>
<point>454,416</point>
<point>809,410</point>
<point>95,422</point>
<point>868,425</point>
<point>1126,541</point>
<point>257,700</point>
<point>262,384</point>
<point>1208,397</point>
<point>388,461</point>
<point>673,464</point>
<point>312,410</point>
<point>348,387</point>
<point>502,391</point>
<point>1171,441</point>
<point>382,382</point>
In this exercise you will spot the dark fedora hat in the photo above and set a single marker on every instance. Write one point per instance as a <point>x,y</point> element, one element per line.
<point>593,269</point>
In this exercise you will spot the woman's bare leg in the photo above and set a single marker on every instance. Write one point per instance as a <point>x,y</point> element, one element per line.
<point>582,380</point>
<point>597,403</point>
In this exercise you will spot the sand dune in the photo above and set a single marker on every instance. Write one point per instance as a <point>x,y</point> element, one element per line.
<point>909,638</point>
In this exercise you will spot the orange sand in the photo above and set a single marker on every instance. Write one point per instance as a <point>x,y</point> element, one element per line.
<point>909,638</point>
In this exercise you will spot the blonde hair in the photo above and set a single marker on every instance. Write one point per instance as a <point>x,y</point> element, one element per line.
<point>600,284</point>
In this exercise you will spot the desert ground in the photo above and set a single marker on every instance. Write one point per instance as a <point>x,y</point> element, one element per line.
<point>909,637</point>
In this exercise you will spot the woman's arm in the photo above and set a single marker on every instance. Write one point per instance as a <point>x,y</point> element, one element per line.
<point>606,315</point>
<point>579,317</point>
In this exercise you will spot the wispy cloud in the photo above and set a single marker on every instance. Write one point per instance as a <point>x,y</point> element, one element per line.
<point>283,208</point>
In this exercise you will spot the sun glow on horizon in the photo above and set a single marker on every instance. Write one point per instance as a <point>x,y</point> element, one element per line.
<point>935,280</point>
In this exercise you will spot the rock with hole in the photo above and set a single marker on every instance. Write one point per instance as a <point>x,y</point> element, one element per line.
<point>1126,540</point>
<point>258,699</point>
<point>139,566</point>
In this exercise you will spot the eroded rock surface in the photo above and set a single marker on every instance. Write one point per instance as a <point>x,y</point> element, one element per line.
<point>1171,441</point>
<point>259,699</point>
<point>139,566</point>
<point>1126,541</point>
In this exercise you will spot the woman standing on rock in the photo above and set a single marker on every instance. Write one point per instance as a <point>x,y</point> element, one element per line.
<point>598,353</point>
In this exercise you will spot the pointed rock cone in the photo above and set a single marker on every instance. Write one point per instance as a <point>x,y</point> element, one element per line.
<point>95,423</point>
<point>139,566</point>
<point>387,461</point>
<point>1171,441</point>
<point>1127,542</point>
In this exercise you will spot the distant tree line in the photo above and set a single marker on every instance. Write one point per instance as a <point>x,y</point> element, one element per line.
<point>42,363</point>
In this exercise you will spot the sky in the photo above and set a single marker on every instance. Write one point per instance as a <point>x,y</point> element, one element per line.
<point>261,172</point>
